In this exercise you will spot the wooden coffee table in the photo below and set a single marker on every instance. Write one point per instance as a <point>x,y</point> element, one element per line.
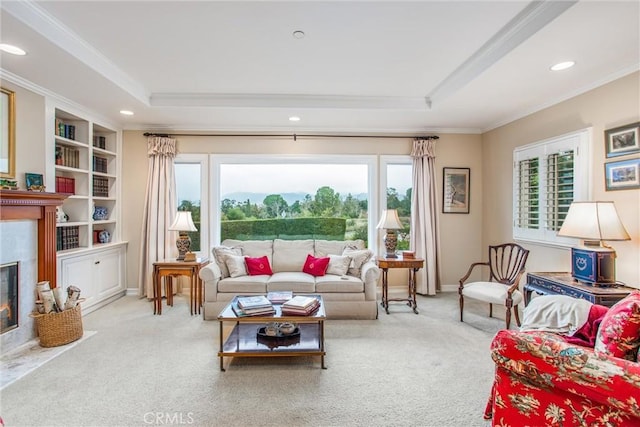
<point>244,341</point>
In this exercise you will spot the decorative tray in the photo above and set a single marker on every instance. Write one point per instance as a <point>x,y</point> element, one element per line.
<point>279,335</point>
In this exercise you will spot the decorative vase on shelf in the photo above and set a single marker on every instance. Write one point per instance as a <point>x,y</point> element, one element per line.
<point>100,213</point>
<point>104,236</point>
<point>60,215</point>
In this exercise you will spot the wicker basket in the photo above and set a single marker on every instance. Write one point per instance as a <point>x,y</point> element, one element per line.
<point>56,329</point>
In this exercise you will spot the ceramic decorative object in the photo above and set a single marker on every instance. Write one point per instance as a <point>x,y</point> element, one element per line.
<point>60,215</point>
<point>287,328</point>
<point>100,213</point>
<point>104,236</point>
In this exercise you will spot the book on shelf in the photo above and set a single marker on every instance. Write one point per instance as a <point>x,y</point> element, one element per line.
<point>261,311</point>
<point>300,302</point>
<point>279,297</point>
<point>251,302</point>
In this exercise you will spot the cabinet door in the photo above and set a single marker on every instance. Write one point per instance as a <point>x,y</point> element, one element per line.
<point>109,272</point>
<point>80,272</point>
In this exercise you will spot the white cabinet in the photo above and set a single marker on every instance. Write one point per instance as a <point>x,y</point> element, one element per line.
<point>99,273</point>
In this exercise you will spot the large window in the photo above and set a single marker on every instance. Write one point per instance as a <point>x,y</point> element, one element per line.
<point>191,193</point>
<point>548,176</point>
<point>290,197</point>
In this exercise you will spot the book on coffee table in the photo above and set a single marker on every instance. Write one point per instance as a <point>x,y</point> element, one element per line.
<point>251,302</point>
<point>279,297</point>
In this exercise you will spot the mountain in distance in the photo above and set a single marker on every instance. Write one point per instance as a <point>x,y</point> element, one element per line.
<point>290,198</point>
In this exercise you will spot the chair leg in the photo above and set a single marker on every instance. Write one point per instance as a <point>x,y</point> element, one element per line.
<point>490,310</point>
<point>461,306</point>
<point>515,312</point>
<point>508,317</point>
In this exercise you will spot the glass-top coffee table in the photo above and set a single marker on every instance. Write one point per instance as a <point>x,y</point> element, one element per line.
<point>247,338</point>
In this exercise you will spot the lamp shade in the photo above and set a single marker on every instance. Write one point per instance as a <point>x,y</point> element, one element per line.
<point>593,221</point>
<point>390,220</point>
<point>183,222</point>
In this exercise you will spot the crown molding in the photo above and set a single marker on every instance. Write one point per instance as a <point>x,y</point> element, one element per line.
<point>39,20</point>
<point>529,21</point>
<point>237,100</point>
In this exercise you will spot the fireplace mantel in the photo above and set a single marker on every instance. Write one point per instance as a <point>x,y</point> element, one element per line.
<point>39,206</point>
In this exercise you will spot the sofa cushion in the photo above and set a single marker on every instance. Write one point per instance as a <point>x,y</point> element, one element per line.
<point>338,265</point>
<point>336,247</point>
<point>358,258</point>
<point>244,284</point>
<point>236,265</point>
<point>619,332</point>
<point>219,254</point>
<point>258,266</point>
<point>291,281</point>
<point>315,266</point>
<point>252,248</point>
<point>333,283</point>
<point>290,255</point>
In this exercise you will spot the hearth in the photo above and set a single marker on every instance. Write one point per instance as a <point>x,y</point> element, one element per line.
<point>8,297</point>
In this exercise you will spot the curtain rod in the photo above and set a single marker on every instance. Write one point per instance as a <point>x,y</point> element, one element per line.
<point>295,136</point>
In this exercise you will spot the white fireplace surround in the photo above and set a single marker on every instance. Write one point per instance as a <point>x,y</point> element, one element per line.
<point>20,243</point>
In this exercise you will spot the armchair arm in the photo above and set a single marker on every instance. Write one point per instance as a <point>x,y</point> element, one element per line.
<point>548,361</point>
<point>469,271</point>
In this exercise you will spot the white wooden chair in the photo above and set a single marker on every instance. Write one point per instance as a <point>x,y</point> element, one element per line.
<point>506,266</point>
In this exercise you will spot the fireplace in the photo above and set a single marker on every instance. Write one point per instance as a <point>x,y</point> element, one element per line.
<point>9,312</point>
<point>28,230</point>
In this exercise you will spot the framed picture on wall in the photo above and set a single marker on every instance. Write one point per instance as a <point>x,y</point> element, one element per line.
<point>455,190</point>
<point>622,140</point>
<point>7,134</point>
<point>34,181</point>
<point>622,175</point>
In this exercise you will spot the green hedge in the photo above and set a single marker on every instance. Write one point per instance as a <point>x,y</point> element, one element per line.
<point>286,229</point>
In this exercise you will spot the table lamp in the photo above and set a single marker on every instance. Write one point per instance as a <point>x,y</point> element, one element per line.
<point>183,224</point>
<point>390,222</point>
<point>594,261</point>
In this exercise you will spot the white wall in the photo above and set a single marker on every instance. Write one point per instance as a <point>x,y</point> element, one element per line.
<point>609,106</point>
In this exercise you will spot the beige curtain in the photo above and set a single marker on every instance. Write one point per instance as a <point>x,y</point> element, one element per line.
<point>160,206</point>
<point>425,238</point>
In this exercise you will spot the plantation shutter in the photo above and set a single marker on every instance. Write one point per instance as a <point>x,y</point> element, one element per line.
<point>528,194</point>
<point>559,188</point>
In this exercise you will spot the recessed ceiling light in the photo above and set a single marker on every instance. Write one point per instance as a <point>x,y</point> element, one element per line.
<point>563,65</point>
<point>294,118</point>
<point>126,112</point>
<point>298,34</point>
<point>14,50</point>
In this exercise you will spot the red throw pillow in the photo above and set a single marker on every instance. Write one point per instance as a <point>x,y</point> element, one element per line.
<point>315,266</point>
<point>258,266</point>
<point>619,332</point>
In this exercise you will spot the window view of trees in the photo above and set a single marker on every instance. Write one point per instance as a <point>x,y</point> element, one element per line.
<point>399,176</point>
<point>290,191</point>
<point>188,194</point>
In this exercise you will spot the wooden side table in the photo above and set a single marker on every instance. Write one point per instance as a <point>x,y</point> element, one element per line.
<point>561,283</point>
<point>171,269</point>
<point>413,264</point>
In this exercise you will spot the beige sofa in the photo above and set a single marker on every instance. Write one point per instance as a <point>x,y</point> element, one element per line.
<point>348,287</point>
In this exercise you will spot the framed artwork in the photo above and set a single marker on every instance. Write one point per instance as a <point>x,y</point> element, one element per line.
<point>34,181</point>
<point>7,134</point>
<point>622,175</point>
<point>622,140</point>
<point>455,190</point>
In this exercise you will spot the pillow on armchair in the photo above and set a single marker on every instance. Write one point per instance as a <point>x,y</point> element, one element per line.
<point>619,332</point>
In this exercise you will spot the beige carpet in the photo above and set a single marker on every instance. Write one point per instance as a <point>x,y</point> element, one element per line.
<point>139,369</point>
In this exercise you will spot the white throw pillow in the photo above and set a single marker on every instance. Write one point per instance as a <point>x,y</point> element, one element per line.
<point>220,253</point>
<point>358,259</point>
<point>236,265</point>
<point>338,265</point>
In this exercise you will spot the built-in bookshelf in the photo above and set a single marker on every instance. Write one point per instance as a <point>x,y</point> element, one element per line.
<point>86,168</point>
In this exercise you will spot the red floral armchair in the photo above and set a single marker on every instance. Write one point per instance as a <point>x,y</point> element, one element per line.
<point>542,380</point>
